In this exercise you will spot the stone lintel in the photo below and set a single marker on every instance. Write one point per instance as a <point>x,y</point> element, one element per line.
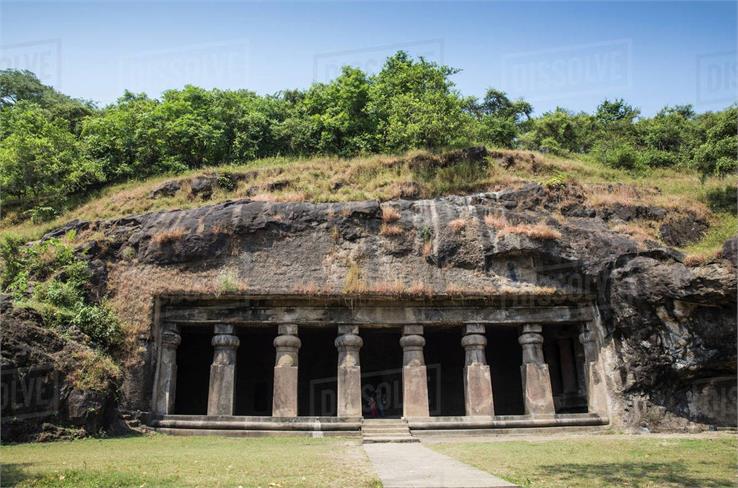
<point>391,315</point>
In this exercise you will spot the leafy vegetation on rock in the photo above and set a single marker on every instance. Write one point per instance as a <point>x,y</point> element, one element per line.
<point>51,278</point>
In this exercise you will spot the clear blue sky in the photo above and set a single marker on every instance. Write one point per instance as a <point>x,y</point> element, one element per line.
<point>572,54</point>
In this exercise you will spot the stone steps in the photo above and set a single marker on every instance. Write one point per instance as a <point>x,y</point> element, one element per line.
<point>386,430</point>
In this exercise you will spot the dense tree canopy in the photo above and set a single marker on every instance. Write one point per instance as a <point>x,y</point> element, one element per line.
<point>53,147</point>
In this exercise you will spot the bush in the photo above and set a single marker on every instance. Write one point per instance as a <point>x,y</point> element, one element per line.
<point>618,155</point>
<point>100,324</point>
<point>49,277</point>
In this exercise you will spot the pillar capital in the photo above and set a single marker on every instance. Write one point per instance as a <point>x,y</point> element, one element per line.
<point>171,339</point>
<point>287,329</point>
<point>225,341</point>
<point>589,343</point>
<point>287,343</point>
<point>412,342</point>
<point>474,329</point>
<point>348,342</point>
<point>531,338</point>
<point>473,341</point>
<point>412,330</point>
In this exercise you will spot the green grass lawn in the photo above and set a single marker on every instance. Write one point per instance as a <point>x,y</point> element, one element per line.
<point>617,461</point>
<point>272,462</point>
<point>158,460</point>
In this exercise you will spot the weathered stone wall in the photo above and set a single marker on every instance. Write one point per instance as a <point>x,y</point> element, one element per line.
<point>667,330</point>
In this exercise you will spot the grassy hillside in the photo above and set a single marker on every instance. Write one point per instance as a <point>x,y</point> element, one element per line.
<point>421,174</point>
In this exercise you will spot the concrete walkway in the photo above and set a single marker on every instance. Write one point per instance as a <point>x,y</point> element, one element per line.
<point>416,466</point>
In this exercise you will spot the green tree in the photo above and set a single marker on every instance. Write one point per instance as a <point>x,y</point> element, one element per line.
<point>413,104</point>
<point>717,155</point>
<point>40,160</point>
<point>500,120</point>
<point>17,86</point>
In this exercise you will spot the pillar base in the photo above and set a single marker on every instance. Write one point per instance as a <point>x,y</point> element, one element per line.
<point>415,392</point>
<point>222,386</point>
<point>349,391</point>
<point>537,394</point>
<point>284,401</point>
<point>478,391</point>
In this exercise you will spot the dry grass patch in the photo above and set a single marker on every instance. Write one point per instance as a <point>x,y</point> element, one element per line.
<point>168,236</point>
<point>419,288</point>
<point>640,233</point>
<point>540,231</point>
<point>457,225</point>
<point>389,214</point>
<point>695,260</point>
<point>427,248</point>
<point>496,221</point>
<point>390,230</point>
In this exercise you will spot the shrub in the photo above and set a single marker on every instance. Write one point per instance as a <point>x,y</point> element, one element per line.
<point>100,324</point>
<point>49,277</point>
<point>618,155</point>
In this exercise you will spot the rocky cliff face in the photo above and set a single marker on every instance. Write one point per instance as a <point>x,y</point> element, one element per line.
<point>52,387</point>
<point>669,330</point>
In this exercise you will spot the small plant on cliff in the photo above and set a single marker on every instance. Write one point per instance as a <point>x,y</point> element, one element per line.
<point>49,277</point>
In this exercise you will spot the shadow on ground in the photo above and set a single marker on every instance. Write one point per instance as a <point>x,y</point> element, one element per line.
<point>629,474</point>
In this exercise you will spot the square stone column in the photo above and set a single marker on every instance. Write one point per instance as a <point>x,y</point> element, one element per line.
<point>537,394</point>
<point>348,344</point>
<point>166,380</point>
<point>287,344</point>
<point>414,373</point>
<point>221,394</point>
<point>594,379</point>
<point>478,400</point>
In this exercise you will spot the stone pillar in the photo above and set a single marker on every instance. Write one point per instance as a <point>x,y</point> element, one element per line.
<point>537,394</point>
<point>414,374</point>
<point>166,384</point>
<point>594,379</point>
<point>287,344</point>
<point>348,344</point>
<point>567,366</point>
<point>477,378</point>
<point>223,371</point>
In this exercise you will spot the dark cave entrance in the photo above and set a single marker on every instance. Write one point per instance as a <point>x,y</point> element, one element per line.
<point>504,356</point>
<point>564,355</point>
<point>254,371</point>
<point>381,373</point>
<point>318,362</point>
<point>194,356</point>
<point>444,359</point>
